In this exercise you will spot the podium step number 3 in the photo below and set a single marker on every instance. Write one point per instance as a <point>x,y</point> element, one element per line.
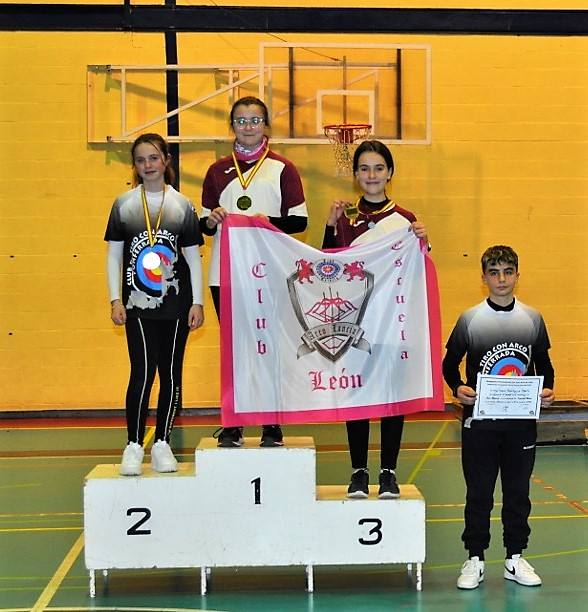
<point>230,507</point>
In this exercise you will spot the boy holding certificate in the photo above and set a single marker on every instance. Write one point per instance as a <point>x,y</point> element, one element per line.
<point>499,336</point>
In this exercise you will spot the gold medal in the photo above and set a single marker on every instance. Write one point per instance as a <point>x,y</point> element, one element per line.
<point>244,202</point>
<point>351,212</point>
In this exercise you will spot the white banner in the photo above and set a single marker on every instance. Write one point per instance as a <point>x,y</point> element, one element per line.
<point>310,335</point>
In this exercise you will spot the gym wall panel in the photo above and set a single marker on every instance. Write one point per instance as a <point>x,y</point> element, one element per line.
<point>508,164</point>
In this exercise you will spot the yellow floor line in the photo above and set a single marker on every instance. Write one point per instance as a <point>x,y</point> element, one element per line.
<point>497,504</point>
<point>119,609</point>
<point>110,609</point>
<point>558,516</point>
<point>427,453</point>
<point>345,451</point>
<point>547,517</point>
<point>43,529</point>
<point>561,553</point>
<point>149,435</point>
<point>58,577</point>
<point>21,515</point>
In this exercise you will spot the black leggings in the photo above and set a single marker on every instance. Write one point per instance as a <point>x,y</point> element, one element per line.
<point>358,435</point>
<point>154,344</point>
<point>215,293</point>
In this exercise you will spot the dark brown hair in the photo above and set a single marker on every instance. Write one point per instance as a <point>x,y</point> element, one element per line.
<point>250,101</point>
<point>499,254</point>
<point>374,146</point>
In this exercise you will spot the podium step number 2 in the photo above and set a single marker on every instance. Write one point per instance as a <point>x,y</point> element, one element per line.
<point>230,507</point>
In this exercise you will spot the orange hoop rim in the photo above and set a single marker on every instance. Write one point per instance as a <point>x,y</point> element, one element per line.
<point>345,133</point>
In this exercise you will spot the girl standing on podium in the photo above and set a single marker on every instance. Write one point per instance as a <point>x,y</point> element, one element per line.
<point>358,223</point>
<point>153,252</point>
<point>253,181</point>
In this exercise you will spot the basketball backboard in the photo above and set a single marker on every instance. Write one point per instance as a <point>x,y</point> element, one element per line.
<point>305,85</point>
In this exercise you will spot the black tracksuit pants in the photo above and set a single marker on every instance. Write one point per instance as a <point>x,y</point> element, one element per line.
<point>485,452</point>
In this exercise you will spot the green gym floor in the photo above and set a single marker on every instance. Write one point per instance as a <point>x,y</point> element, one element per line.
<point>42,469</point>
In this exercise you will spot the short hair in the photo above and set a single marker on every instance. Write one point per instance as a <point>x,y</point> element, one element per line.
<point>161,145</point>
<point>499,254</point>
<point>250,101</point>
<point>377,147</point>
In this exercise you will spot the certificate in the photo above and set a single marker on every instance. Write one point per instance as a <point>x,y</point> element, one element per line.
<point>508,397</point>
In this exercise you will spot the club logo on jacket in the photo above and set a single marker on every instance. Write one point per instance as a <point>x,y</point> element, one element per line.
<point>150,273</point>
<point>506,359</point>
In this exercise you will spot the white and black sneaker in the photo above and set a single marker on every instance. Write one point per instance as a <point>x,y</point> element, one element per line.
<point>521,571</point>
<point>359,485</point>
<point>472,573</point>
<point>229,437</point>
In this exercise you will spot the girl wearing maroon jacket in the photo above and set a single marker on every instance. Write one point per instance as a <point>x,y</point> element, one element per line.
<point>254,181</point>
<point>370,217</point>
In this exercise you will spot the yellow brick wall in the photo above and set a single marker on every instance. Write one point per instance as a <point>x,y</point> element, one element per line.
<point>508,164</point>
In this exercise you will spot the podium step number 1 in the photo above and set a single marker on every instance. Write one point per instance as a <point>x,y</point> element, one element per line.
<point>230,507</point>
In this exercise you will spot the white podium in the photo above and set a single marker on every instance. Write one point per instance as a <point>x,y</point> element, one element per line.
<point>244,507</point>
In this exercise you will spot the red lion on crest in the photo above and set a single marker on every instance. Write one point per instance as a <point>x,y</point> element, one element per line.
<point>354,270</point>
<point>305,270</point>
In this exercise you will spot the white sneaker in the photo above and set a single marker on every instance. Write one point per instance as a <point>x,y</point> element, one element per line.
<point>131,460</point>
<point>472,573</point>
<point>162,458</point>
<point>521,571</point>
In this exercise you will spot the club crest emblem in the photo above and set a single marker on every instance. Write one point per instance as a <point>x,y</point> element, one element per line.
<point>329,299</point>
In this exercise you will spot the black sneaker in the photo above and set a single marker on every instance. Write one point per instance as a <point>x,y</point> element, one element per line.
<point>359,485</point>
<point>271,435</point>
<point>229,437</point>
<point>388,485</point>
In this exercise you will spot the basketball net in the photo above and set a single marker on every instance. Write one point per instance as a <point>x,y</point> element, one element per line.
<point>344,137</point>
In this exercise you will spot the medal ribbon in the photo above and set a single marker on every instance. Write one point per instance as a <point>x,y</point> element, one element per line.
<point>245,182</point>
<point>151,234</point>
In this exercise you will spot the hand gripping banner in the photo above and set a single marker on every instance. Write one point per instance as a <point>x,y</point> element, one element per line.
<point>315,336</point>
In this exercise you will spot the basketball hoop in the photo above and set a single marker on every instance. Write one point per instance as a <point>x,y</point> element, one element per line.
<point>342,136</point>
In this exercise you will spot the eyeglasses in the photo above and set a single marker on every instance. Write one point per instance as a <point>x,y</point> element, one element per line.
<point>243,121</point>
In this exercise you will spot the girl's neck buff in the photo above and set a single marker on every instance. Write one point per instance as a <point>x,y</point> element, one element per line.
<point>243,154</point>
